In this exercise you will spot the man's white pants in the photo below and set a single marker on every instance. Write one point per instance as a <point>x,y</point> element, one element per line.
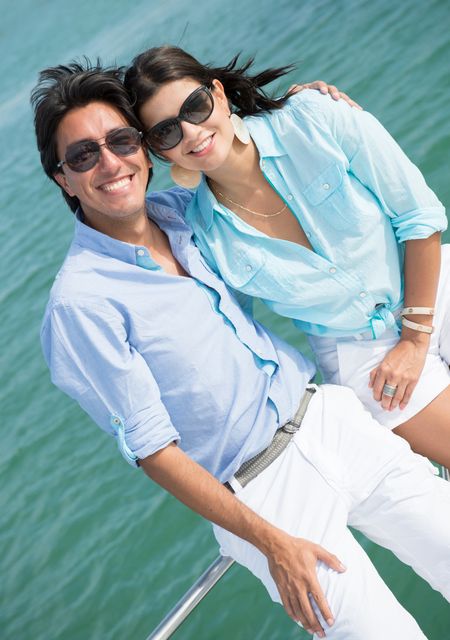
<point>342,468</point>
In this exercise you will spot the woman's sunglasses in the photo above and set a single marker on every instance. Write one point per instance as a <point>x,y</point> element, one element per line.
<point>197,108</point>
<point>82,156</point>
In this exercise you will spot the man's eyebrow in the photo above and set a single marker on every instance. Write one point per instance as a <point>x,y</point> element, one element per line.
<point>81,140</point>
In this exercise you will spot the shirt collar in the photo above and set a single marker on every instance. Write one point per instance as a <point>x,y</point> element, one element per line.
<point>203,204</point>
<point>166,217</point>
<point>264,136</point>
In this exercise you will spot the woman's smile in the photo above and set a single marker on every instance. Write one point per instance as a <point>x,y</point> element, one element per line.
<point>204,147</point>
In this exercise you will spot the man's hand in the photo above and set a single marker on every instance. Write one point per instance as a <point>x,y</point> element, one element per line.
<point>292,561</point>
<point>323,87</point>
<point>292,564</point>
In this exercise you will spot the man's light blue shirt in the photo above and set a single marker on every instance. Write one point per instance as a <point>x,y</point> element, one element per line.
<point>357,197</point>
<point>156,358</point>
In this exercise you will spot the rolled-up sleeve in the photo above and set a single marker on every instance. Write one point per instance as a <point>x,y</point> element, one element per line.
<point>379,163</point>
<point>90,359</point>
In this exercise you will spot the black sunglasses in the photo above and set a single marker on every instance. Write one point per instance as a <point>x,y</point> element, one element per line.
<point>82,156</point>
<point>197,108</point>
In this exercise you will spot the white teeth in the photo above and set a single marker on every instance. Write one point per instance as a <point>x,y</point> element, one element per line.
<point>203,145</point>
<point>112,186</point>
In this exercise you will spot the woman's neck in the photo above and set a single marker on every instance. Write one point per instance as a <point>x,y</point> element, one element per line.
<point>240,174</point>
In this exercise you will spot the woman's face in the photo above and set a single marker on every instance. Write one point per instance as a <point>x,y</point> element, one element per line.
<point>203,147</point>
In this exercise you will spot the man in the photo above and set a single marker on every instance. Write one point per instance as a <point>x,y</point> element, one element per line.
<point>152,345</point>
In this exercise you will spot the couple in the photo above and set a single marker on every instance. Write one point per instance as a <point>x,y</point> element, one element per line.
<point>145,335</point>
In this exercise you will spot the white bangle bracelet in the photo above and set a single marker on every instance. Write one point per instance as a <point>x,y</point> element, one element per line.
<point>417,311</point>
<point>423,328</point>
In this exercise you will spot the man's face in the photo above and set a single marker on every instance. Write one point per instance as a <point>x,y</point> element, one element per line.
<point>112,193</point>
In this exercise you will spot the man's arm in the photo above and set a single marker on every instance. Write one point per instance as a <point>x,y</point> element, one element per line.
<point>90,359</point>
<point>292,561</point>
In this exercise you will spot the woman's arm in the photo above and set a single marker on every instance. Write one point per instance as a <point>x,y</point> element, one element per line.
<point>417,218</point>
<point>379,163</point>
<point>403,365</point>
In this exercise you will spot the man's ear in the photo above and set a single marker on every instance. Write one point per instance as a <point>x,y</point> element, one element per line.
<point>61,179</point>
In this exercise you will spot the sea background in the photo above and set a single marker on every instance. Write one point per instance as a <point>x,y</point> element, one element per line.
<point>90,548</point>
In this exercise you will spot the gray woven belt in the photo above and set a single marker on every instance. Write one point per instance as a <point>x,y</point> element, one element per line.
<point>253,467</point>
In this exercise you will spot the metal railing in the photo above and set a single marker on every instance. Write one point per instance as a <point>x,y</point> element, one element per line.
<point>190,600</point>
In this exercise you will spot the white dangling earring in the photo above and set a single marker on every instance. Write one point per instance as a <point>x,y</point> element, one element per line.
<point>240,129</point>
<point>185,177</point>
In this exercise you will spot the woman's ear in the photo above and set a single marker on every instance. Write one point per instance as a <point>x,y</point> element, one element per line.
<point>219,93</point>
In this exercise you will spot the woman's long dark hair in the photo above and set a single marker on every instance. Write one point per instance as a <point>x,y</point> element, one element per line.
<point>155,67</point>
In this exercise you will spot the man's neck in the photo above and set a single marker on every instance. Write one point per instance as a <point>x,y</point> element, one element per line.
<point>137,229</point>
<point>141,231</point>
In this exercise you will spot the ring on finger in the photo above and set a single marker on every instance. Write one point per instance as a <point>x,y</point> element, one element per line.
<point>389,390</point>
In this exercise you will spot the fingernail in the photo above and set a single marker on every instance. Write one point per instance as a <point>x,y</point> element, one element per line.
<point>342,567</point>
<point>335,96</point>
<point>321,634</point>
<point>330,622</point>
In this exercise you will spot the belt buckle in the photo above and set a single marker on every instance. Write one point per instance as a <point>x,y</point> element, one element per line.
<point>290,427</point>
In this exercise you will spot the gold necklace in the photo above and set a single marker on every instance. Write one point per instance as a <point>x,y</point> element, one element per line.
<point>255,213</point>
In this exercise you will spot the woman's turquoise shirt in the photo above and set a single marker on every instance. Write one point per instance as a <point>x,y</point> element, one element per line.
<point>357,197</point>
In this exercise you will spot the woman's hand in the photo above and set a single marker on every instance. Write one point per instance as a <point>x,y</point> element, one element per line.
<point>401,368</point>
<point>293,566</point>
<point>323,87</point>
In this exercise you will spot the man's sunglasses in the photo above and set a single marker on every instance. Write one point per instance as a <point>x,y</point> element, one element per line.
<point>197,108</point>
<point>82,156</point>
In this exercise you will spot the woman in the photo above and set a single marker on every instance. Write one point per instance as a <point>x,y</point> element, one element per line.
<point>311,206</point>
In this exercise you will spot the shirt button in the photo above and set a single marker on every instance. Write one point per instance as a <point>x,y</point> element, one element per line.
<point>289,197</point>
<point>308,234</point>
<point>362,294</point>
<point>141,252</point>
<point>332,270</point>
<point>248,267</point>
<point>263,164</point>
<point>326,186</point>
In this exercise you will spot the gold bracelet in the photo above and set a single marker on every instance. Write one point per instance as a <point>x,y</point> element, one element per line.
<point>423,328</point>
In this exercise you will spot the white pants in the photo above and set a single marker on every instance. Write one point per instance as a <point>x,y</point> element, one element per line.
<point>341,469</point>
<point>349,361</point>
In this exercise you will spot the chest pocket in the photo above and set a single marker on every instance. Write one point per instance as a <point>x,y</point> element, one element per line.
<point>326,194</point>
<point>241,267</point>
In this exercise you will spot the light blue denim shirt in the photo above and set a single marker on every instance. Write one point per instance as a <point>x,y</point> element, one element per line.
<point>155,358</point>
<point>357,198</point>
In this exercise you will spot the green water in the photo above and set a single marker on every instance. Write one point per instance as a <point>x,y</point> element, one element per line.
<point>90,549</point>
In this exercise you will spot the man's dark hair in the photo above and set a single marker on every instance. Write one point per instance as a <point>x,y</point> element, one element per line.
<point>63,88</point>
